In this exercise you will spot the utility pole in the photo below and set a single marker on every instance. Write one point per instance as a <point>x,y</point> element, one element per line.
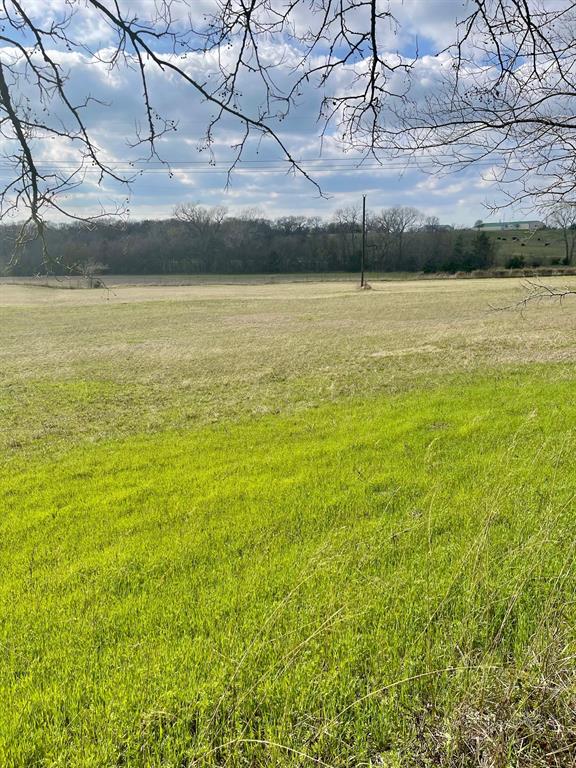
<point>363,257</point>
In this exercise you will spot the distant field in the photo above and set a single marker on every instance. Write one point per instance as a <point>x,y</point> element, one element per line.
<point>287,524</point>
<point>541,246</point>
<point>116,281</point>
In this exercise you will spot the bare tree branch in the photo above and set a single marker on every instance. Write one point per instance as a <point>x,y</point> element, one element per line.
<point>536,293</point>
<point>506,90</point>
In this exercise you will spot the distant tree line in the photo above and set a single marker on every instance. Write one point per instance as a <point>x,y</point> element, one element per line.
<point>201,240</point>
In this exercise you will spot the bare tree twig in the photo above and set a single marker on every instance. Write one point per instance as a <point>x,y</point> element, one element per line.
<point>536,293</point>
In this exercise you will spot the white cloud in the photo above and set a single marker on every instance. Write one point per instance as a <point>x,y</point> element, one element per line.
<point>261,184</point>
<point>430,23</point>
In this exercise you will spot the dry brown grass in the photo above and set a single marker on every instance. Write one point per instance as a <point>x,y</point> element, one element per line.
<point>80,364</point>
<point>520,718</point>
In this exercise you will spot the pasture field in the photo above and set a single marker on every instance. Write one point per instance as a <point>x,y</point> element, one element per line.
<point>541,246</point>
<point>287,525</point>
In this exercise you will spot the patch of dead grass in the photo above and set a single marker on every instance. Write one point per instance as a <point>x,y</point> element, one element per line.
<point>248,349</point>
<point>519,719</point>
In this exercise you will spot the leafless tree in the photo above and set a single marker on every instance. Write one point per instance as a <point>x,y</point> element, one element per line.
<point>204,225</point>
<point>90,270</point>
<point>165,37</point>
<point>431,223</point>
<point>201,219</point>
<point>348,218</point>
<point>563,217</point>
<point>506,89</point>
<point>505,94</point>
<point>395,222</point>
<point>348,221</point>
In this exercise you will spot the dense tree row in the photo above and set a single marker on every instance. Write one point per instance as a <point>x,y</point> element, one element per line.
<point>199,240</point>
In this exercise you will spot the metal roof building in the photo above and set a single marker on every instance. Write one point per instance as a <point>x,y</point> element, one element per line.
<point>501,225</point>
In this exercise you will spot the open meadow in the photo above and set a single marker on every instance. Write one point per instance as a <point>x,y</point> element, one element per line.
<point>287,524</point>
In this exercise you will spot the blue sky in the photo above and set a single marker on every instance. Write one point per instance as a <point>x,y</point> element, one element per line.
<point>261,182</point>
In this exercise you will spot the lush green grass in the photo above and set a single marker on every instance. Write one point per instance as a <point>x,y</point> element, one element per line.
<point>164,596</point>
<point>344,578</point>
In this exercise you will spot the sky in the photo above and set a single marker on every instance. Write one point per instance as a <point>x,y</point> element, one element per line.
<point>261,182</point>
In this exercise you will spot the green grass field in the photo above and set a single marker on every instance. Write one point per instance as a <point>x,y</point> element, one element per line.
<point>539,247</point>
<point>287,525</point>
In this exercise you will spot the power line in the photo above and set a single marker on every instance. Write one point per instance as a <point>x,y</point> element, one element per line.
<point>257,166</point>
<point>254,172</point>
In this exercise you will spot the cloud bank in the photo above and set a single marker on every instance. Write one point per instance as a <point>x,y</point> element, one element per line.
<point>189,171</point>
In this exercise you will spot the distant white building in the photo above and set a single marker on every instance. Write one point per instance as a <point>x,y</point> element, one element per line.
<point>502,225</point>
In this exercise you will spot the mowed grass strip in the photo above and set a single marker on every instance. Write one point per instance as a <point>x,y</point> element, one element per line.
<point>291,590</point>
